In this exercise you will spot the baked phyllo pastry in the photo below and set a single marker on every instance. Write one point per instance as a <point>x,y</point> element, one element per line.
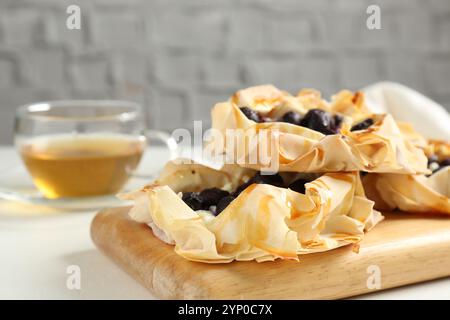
<point>415,193</point>
<point>217,216</point>
<point>305,133</point>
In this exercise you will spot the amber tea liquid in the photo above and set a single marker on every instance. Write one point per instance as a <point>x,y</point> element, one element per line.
<point>81,165</point>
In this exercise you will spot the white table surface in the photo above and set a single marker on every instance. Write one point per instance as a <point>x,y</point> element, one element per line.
<point>38,244</point>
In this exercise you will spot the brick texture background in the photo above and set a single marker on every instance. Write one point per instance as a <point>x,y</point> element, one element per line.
<point>179,57</point>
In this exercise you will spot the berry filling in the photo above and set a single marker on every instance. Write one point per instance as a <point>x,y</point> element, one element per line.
<point>216,200</point>
<point>315,119</point>
<point>363,125</point>
<point>250,114</point>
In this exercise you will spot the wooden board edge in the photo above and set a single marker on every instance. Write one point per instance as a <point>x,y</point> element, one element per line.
<point>163,284</point>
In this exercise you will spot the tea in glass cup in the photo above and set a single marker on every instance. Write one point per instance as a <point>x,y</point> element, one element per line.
<point>81,148</point>
<point>82,165</point>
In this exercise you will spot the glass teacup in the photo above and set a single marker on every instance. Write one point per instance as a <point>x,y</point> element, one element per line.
<point>82,148</point>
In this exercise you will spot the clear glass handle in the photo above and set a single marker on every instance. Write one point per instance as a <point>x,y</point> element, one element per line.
<point>167,140</point>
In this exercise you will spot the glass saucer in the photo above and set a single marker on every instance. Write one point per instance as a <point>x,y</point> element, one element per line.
<point>16,185</point>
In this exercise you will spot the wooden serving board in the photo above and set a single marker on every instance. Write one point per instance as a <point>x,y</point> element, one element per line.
<point>406,248</point>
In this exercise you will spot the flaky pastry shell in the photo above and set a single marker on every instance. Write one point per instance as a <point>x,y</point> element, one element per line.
<point>263,223</point>
<point>410,193</point>
<point>383,147</point>
<point>413,193</point>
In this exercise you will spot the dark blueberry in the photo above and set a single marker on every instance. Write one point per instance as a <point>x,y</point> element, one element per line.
<point>298,185</point>
<point>433,158</point>
<point>223,203</point>
<point>445,162</point>
<point>362,125</point>
<point>192,200</point>
<point>210,197</point>
<point>272,179</point>
<point>291,117</point>
<point>275,180</point>
<point>336,123</point>
<point>318,120</point>
<point>251,114</point>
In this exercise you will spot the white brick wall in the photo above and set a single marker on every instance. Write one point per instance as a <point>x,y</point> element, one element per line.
<point>179,57</point>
